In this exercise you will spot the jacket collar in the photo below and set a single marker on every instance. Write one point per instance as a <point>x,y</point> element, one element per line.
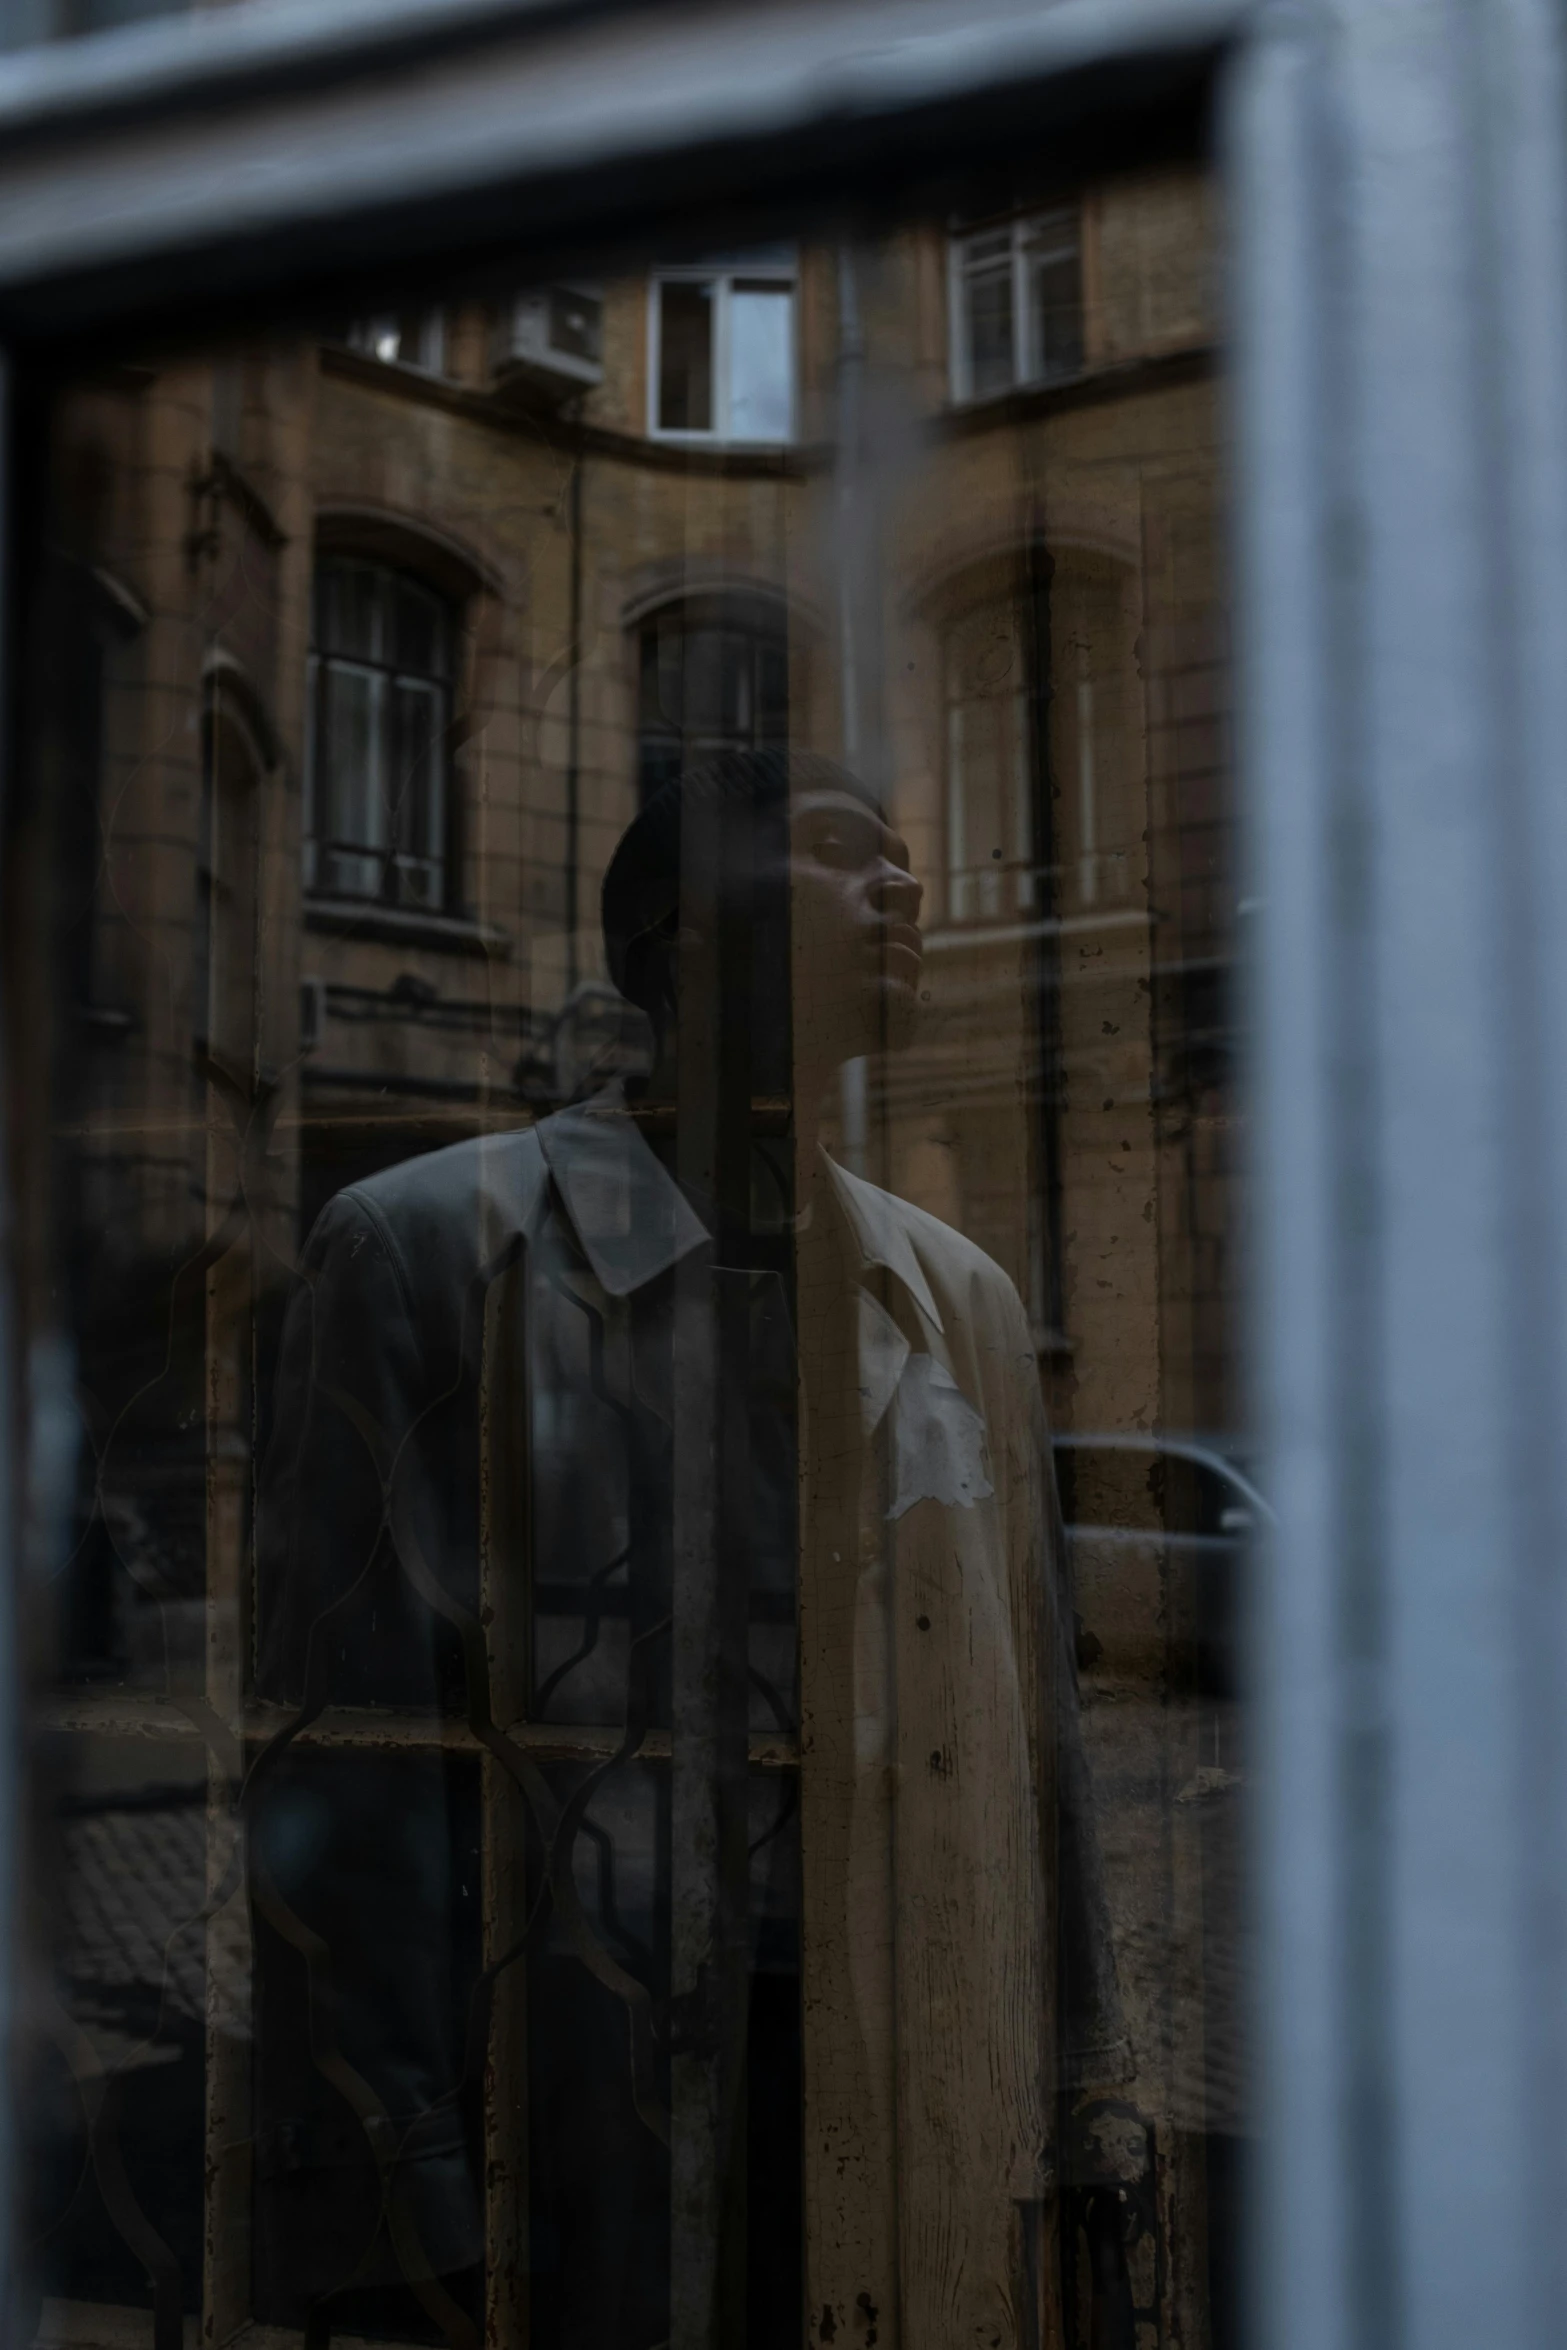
<point>629,1215</point>
<point>633,1221</point>
<point>877,1224</point>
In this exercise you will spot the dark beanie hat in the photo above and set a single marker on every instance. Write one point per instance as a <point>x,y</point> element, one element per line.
<point>642,886</point>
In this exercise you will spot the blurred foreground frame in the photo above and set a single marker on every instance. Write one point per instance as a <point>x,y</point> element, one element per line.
<point>1394,185</point>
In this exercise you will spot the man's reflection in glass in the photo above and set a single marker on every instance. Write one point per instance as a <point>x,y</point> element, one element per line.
<point>482,1340</point>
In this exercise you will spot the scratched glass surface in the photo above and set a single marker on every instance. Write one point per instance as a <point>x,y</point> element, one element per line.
<point>626,918</point>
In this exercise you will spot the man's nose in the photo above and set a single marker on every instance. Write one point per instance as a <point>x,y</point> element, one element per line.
<point>896,894</point>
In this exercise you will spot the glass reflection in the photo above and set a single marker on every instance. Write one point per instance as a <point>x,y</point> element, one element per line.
<point>638,1525</point>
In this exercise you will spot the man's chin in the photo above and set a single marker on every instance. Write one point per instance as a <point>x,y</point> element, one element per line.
<point>898,1014</point>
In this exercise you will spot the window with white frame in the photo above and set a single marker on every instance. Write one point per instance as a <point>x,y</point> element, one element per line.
<point>376,749</point>
<point>403,338</point>
<point>1017,303</point>
<point>721,357</point>
<point>990,791</point>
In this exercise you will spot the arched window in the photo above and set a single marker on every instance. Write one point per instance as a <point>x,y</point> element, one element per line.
<point>223,968</point>
<point>377,790</point>
<point>714,677</point>
<point>990,777</point>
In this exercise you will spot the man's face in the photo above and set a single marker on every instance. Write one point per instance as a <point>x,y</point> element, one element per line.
<point>855,918</point>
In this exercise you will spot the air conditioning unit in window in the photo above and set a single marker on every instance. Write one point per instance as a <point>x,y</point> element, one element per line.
<point>551,342</point>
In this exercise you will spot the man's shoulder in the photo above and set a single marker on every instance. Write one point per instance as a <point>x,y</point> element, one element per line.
<point>957,1267</point>
<point>963,1276</point>
<point>470,1195</point>
<point>943,1243</point>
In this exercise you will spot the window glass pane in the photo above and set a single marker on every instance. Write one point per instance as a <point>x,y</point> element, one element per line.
<point>352,788</point>
<point>685,358</point>
<point>416,810</point>
<point>989,784</point>
<point>648,1503</point>
<point>772,686</point>
<point>376,771</point>
<point>577,323</point>
<point>351,611</point>
<point>1055,292</point>
<point>420,635</point>
<point>409,338</point>
<point>987,295</point>
<point>761,362</point>
<point>708,688</point>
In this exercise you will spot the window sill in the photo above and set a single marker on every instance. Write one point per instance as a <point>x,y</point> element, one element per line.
<point>1100,380</point>
<point>665,436</point>
<point>404,926</point>
<point>497,408</point>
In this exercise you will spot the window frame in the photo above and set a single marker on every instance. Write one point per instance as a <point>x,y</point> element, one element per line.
<point>1028,373</point>
<point>1017,876</point>
<point>392,674</point>
<point>761,621</point>
<point>1396,214</point>
<point>723,276</point>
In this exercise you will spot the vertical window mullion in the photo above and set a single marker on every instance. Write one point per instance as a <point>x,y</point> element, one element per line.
<point>312,770</point>
<point>957,322</point>
<point>957,829</point>
<point>721,357</point>
<point>793,298</point>
<point>436,849</point>
<point>377,822</point>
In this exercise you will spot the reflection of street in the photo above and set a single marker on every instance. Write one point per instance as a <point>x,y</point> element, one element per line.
<point>1159,1609</point>
<point>1171,1835</point>
<point>133,1958</point>
<point>1160,1612</point>
<point>128,1873</point>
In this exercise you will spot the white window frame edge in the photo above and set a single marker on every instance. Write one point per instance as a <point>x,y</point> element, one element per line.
<point>721,276</point>
<point>960,371</point>
<point>1027,357</point>
<point>1398,190</point>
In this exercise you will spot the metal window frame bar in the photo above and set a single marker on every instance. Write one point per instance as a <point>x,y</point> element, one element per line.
<point>143,175</point>
<point>1398,201</point>
<point>1397,236</point>
<point>722,277</point>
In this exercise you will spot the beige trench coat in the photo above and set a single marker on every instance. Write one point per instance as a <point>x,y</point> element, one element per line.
<point>937,1698</point>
